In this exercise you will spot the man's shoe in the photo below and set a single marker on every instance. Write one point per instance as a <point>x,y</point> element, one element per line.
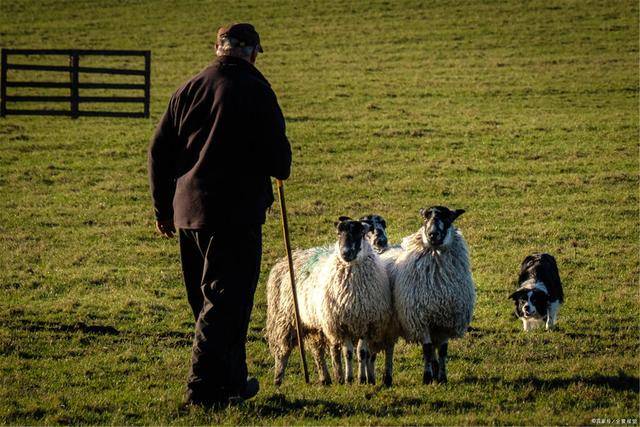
<point>193,399</point>
<point>251,388</point>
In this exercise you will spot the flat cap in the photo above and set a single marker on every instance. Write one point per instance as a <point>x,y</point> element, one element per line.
<point>243,32</point>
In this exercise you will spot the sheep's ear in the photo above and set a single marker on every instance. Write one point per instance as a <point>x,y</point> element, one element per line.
<point>455,214</point>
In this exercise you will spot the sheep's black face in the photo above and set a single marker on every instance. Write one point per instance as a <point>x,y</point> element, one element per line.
<point>437,224</point>
<point>377,234</point>
<point>350,235</point>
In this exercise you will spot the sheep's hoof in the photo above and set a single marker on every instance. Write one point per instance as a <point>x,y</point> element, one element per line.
<point>387,380</point>
<point>442,379</point>
<point>427,377</point>
<point>371,381</point>
<point>277,382</point>
<point>350,380</point>
<point>325,381</point>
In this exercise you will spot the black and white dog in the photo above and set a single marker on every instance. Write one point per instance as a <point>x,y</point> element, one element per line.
<point>377,234</point>
<point>539,292</point>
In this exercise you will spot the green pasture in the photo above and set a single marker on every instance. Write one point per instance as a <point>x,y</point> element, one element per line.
<point>525,114</point>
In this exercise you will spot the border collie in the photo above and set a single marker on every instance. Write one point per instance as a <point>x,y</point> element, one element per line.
<point>539,294</point>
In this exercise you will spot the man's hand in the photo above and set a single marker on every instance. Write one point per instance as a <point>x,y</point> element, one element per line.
<point>166,227</point>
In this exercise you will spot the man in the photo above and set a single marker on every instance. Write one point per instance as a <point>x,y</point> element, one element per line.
<point>210,162</point>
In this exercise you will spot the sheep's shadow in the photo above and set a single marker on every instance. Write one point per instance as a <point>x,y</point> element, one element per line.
<point>279,405</point>
<point>620,382</point>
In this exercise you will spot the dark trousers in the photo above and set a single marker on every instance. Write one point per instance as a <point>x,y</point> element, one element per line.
<point>221,270</point>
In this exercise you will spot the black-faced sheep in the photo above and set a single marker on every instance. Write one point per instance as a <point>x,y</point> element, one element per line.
<point>377,234</point>
<point>434,293</point>
<point>343,296</point>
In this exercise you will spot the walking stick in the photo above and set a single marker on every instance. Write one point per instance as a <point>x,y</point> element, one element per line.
<point>287,244</point>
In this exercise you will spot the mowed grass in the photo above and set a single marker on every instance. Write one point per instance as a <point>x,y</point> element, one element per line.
<point>525,115</point>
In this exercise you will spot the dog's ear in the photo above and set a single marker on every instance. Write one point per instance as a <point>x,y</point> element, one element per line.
<point>455,214</point>
<point>340,219</point>
<point>517,294</point>
<point>423,213</point>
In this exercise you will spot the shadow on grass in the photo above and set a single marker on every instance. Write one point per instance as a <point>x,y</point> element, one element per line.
<point>279,405</point>
<point>181,338</point>
<point>620,382</point>
<point>38,326</point>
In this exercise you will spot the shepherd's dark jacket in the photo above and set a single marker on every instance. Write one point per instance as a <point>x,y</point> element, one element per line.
<point>216,147</point>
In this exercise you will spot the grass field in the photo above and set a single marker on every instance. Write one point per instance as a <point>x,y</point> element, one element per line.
<point>524,114</point>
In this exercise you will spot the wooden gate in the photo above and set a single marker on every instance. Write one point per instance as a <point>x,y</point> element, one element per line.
<point>75,83</point>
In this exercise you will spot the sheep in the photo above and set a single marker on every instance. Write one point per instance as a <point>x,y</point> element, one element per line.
<point>377,234</point>
<point>433,290</point>
<point>377,237</point>
<point>343,296</point>
<point>386,342</point>
<point>280,328</point>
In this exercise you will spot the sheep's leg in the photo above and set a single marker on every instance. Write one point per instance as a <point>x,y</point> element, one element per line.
<point>441,375</point>
<point>347,349</point>
<point>434,364</point>
<point>336,362</point>
<point>371,368</point>
<point>280,365</point>
<point>387,379</point>
<point>363,361</point>
<point>321,363</point>
<point>428,357</point>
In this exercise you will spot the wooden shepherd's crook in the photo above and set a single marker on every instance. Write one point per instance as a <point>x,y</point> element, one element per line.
<point>287,244</point>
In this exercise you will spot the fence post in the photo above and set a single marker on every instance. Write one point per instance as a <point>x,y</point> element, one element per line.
<point>3,84</point>
<point>147,82</point>
<point>74,61</point>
